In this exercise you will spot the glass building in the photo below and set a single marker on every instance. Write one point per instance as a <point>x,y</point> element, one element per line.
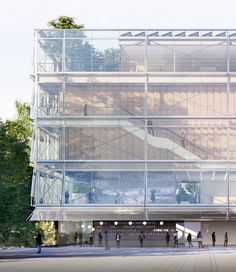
<point>132,126</point>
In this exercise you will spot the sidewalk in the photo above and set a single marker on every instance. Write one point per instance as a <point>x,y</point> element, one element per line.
<point>123,259</point>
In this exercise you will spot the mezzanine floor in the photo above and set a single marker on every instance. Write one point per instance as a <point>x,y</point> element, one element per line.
<point>123,259</point>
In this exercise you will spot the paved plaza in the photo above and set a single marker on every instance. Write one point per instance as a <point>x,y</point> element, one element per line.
<point>125,259</point>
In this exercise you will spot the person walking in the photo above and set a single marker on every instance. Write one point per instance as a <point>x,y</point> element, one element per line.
<point>141,238</point>
<point>199,239</point>
<point>106,239</point>
<point>176,239</point>
<point>213,237</point>
<point>226,240</point>
<point>39,242</point>
<point>91,239</point>
<point>189,239</point>
<point>167,239</point>
<point>118,238</point>
<point>75,239</point>
<point>99,239</point>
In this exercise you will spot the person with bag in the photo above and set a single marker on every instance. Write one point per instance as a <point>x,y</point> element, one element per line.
<point>199,239</point>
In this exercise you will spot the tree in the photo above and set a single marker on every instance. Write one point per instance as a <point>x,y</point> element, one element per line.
<point>15,179</point>
<point>64,22</point>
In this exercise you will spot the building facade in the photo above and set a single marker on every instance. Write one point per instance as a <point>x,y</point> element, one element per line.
<point>134,127</point>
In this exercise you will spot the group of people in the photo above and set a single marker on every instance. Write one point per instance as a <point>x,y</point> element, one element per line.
<point>141,237</point>
<point>213,238</point>
<point>199,239</point>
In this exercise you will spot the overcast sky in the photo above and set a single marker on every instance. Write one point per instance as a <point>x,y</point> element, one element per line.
<point>18,19</point>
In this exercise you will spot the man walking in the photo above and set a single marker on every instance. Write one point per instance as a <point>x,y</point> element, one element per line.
<point>118,237</point>
<point>226,240</point>
<point>39,242</point>
<point>176,242</point>
<point>106,239</point>
<point>213,236</point>
<point>189,239</point>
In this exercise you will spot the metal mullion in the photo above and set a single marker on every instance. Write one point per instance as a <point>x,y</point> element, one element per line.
<point>63,142</point>
<point>228,126</point>
<point>145,120</point>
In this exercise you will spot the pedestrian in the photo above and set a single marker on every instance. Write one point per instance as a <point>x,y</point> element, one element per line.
<point>91,239</point>
<point>150,128</point>
<point>78,241</point>
<point>141,238</point>
<point>106,239</point>
<point>167,239</point>
<point>99,239</point>
<point>67,195</point>
<point>213,237</point>
<point>176,239</point>
<point>153,196</point>
<point>91,196</point>
<point>226,240</point>
<point>118,237</point>
<point>118,199</point>
<point>189,239</point>
<point>199,239</point>
<point>75,238</point>
<point>39,242</point>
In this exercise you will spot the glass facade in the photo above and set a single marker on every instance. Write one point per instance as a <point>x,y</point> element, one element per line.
<point>135,119</point>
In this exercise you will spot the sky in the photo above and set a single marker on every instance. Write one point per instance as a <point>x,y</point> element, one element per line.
<point>18,19</point>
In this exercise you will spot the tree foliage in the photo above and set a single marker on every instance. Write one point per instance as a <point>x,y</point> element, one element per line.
<point>64,22</point>
<point>15,177</point>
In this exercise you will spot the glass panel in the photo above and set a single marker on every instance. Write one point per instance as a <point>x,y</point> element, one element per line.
<point>160,58</point>
<point>77,33</point>
<point>232,99</point>
<point>49,188</point>
<point>55,33</point>
<point>187,187</point>
<point>49,143</point>
<point>187,100</point>
<point>205,57</point>
<point>186,143</point>
<point>232,53</point>
<point>232,143</point>
<point>132,54</point>
<point>50,100</point>
<point>112,143</point>
<point>78,55</point>
<point>50,55</point>
<point>104,99</point>
<point>105,188</point>
<point>232,188</point>
<point>105,56</point>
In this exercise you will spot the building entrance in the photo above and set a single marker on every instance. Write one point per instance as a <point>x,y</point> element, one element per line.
<point>154,231</point>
